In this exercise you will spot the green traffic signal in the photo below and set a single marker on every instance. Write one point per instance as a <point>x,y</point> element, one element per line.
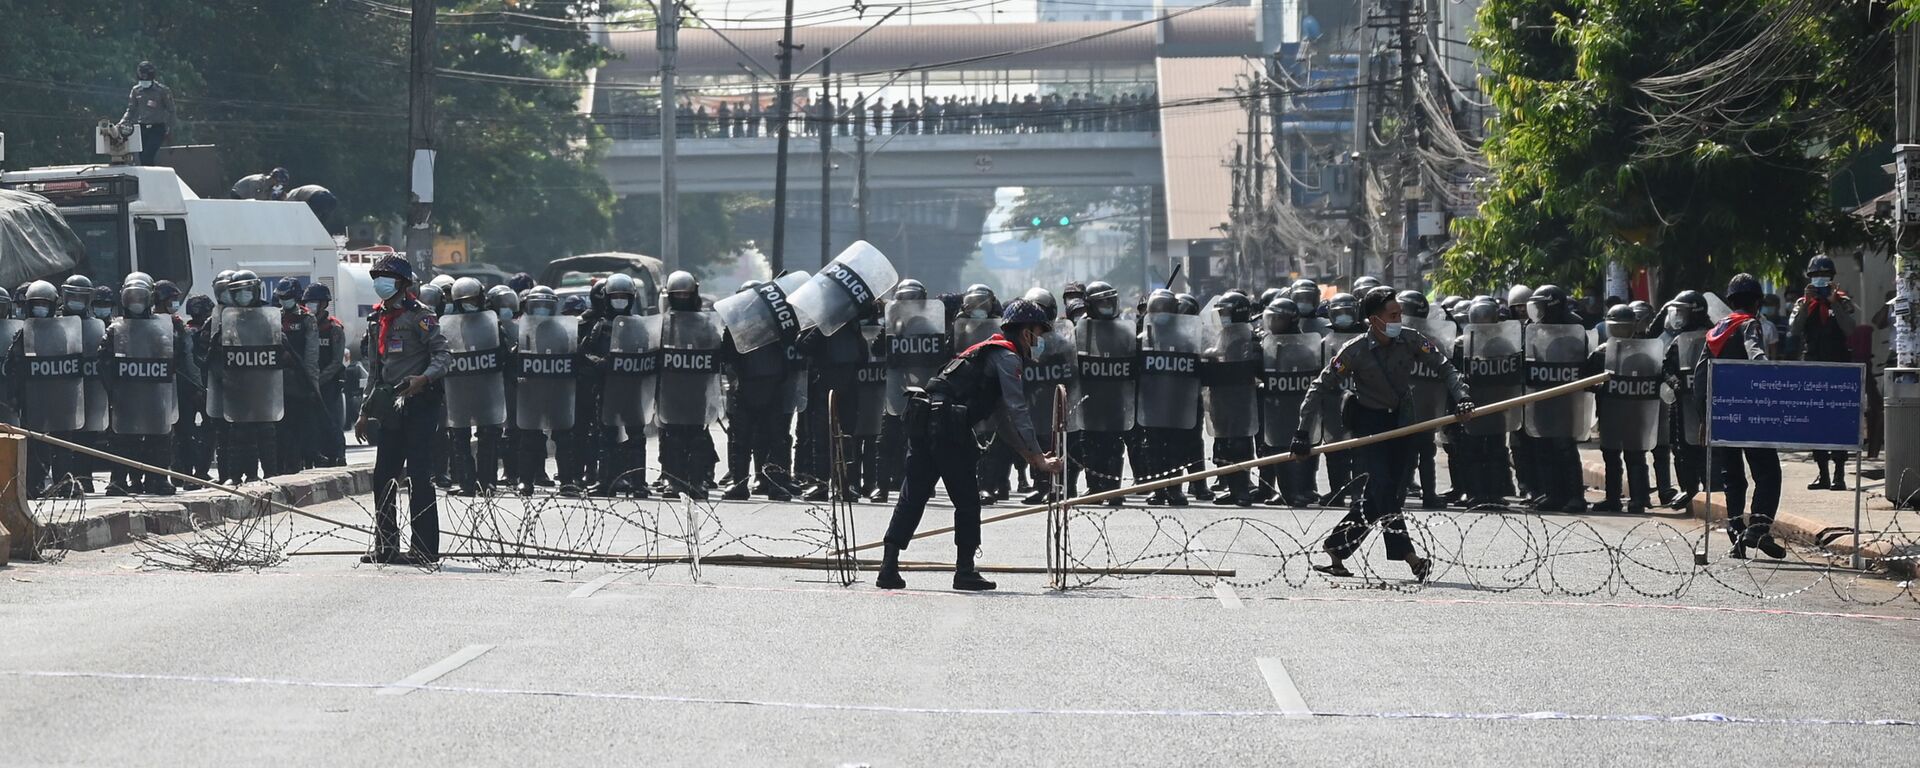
<point>1066,221</point>
<point>1035,221</point>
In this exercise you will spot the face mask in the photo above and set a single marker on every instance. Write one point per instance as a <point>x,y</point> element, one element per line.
<point>288,303</point>
<point>504,313</point>
<point>619,304</point>
<point>541,311</point>
<point>76,306</point>
<point>1392,330</point>
<point>1038,348</point>
<point>146,82</point>
<point>103,312</point>
<point>976,313</point>
<point>1342,320</point>
<point>1536,312</point>
<point>136,309</point>
<point>1675,321</point>
<point>314,307</point>
<point>1822,282</point>
<point>42,311</point>
<point>385,287</point>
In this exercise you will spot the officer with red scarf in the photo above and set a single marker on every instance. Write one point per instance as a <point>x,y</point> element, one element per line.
<point>982,382</point>
<point>408,358</point>
<point>1742,336</point>
<point>1822,320</point>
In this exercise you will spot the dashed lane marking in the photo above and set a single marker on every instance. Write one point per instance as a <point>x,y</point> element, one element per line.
<point>1285,696</point>
<point>440,668</point>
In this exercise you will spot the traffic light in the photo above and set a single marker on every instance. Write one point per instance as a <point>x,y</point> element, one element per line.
<point>1043,222</point>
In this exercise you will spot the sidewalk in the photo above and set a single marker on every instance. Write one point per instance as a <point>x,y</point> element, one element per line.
<point>1889,538</point>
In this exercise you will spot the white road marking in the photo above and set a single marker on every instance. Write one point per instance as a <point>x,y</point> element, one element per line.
<point>1285,695</point>
<point>586,590</point>
<point>1228,598</point>
<point>430,674</point>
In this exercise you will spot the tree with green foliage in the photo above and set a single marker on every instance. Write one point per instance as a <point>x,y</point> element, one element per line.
<point>1694,138</point>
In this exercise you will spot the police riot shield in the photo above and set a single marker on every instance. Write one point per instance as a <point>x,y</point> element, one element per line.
<point>210,405</point>
<point>763,314</point>
<point>546,374</point>
<point>872,383</point>
<point>53,398</point>
<point>1495,370</point>
<point>1686,352</point>
<point>1427,393</point>
<point>968,331</point>
<point>850,281</point>
<point>9,328</point>
<point>1229,369</point>
<point>916,347</point>
<point>1333,426</point>
<point>689,383</point>
<point>793,387</point>
<point>92,331</point>
<point>1042,378</point>
<point>1168,396</point>
<point>1629,404</point>
<point>633,367</point>
<point>144,399</point>
<point>252,354</point>
<point>1555,354</point>
<point>1437,327</point>
<point>1108,363</point>
<point>1289,364</point>
<point>476,384</point>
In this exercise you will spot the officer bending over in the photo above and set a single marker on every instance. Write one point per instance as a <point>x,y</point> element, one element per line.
<point>982,382</point>
<point>1378,370</point>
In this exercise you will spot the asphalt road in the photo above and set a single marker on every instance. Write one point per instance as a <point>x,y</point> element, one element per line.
<point>1543,640</point>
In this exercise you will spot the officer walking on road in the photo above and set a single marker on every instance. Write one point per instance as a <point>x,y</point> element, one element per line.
<point>1378,370</point>
<point>408,358</point>
<point>982,382</point>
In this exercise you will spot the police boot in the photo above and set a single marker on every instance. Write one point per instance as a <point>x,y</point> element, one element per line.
<point>736,490</point>
<point>1609,505</point>
<point>966,579</point>
<point>889,575</point>
<point>775,488</point>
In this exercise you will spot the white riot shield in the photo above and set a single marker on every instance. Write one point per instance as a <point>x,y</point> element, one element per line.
<point>1496,371</point>
<point>546,374</point>
<point>1333,426</point>
<point>916,347</point>
<point>9,328</point>
<point>92,331</point>
<point>1629,404</point>
<point>1427,393</point>
<point>1168,395</point>
<point>1108,359</point>
<point>633,368</point>
<point>968,331</point>
<point>850,281</point>
<point>689,383</point>
<point>145,401</point>
<point>763,315</point>
<point>1556,352</point>
<point>476,384</point>
<point>1057,366</point>
<point>1437,327</point>
<point>54,397</point>
<point>1289,364</point>
<point>1230,371</point>
<point>872,383</point>
<point>252,355</point>
<point>1686,352</point>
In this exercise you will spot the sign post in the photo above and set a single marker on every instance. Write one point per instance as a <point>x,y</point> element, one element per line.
<point>1791,405</point>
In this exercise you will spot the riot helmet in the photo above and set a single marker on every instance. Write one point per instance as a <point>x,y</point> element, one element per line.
<point>1306,296</point>
<point>1621,323</point>
<point>146,71</point>
<point>1267,296</point>
<point>683,292</point>
<point>977,304</point>
<point>431,297</point>
<point>199,307</point>
<point>503,301</point>
<point>1103,300</point>
<point>1187,303</point>
<point>620,291</point>
<point>1343,313</point>
<point>1642,314</point>
<point>1483,311</point>
<point>1414,304</point>
<point>1162,301</point>
<point>574,305</point>
<point>137,299</point>
<point>243,288</point>
<point>1233,307</point>
<point>42,299</point>
<point>75,294</point>
<point>286,294</point>
<point>1549,304</point>
<point>909,290</point>
<point>318,298</point>
<point>6,304</point>
<point>521,282</point>
<point>1044,299</point>
<point>137,276</point>
<point>467,295</point>
<point>1818,266</point>
<point>1744,292</point>
<point>541,302</point>
<point>1282,316</point>
<point>1074,289</point>
<point>220,283</point>
<point>1687,311</point>
<point>1365,283</point>
<point>166,297</point>
<point>105,301</point>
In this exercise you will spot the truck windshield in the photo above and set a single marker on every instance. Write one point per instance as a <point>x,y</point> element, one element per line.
<point>163,252</point>
<point>105,237</point>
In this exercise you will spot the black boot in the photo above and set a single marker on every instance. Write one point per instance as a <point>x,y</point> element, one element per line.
<point>966,579</point>
<point>889,576</point>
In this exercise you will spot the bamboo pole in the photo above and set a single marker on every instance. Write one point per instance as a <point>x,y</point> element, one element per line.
<point>1282,458</point>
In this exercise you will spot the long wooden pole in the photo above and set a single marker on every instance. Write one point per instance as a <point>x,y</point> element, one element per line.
<point>1282,458</point>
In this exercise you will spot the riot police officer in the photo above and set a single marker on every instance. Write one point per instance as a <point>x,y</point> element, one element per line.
<point>1429,394</point>
<point>409,357</point>
<point>689,397</point>
<point>474,390</point>
<point>1051,369</point>
<point>546,361</point>
<point>1108,348</point>
<point>329,448</point>
<point>246,357</point>
<point>1629,408</point>
<point>145,351</point>
<point>1686,324</point>
<point>1377,369</point>
<point>48,388</point>
<point>1557,351</point>
<point>196,432</point>
<point>1230,370</point>
<point>1739,337</point>
<point>1819,327</point>
<point>498,463</point>
<point>834,361</point>
<point>1493,347</point>
<point>1168,394</point>
<point>84,301</point>
<point>980,382</point>
<point>1291,357</point>
<point>768,381</point>
<point>624,348</point>
<point>917,347</point>
<point>301,427</point>
<point>1344,323</point>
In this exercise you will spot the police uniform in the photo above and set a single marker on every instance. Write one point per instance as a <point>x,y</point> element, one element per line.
<point>406,342</point>
<point>328,448</point>
<point>1740,337</point>
<point>301,427</point>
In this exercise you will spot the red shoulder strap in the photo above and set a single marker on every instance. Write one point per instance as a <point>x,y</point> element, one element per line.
<point>995,340</point>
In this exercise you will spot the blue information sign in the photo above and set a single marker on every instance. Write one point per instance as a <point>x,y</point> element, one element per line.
<point>1773,404</point>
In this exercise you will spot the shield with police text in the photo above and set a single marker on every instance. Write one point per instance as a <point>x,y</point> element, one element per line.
<point>1333,426</point>
<point>917,347</point>
<point>476,382</point>
<point>633,370</point>
<point>762,315</point>
<point>1495,370</point>
<point>968,331</point>
<point>546,372</point>
<point>1556,352</point>
<point>53,398</point>
<point>1289,364</point>
<point>252,353</point>
<point>688,393</point>
<point>145,401</point>
<point>872,383</point>
<point>1168,396</point>
<point>1108,360</point>
<point>1230,370</point>
<point>1686,355</point>
<point>852,280</point>
<point>92,331</point>
<point>1629,403</point>
<point>1427,393</point>
<point>1056,366</point>
<point>9,328</point>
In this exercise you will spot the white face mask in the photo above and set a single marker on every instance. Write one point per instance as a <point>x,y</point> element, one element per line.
<point>619,304</point>
<point>1392,330</point>
<point>314,307</point>
<point>504,313</point>
<point>42,311</point>
<point>1822,282</point>
<point>243,298</point>
<point>103,312</point>
<point>385,287</point>
<point>136,309</point>
<point>1037,348</point>
<point>1676,321</point>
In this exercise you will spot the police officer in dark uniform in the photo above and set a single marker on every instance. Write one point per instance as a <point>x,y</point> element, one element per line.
<point>1686,324</point>
<point>329,447</point>
<point>194,434</point>
<point>301,427</point>
<point>409,357</point>
<point>1378,369</point>
<point>1739,337</point>
<point>1822,321</point>
<point>982,382</point>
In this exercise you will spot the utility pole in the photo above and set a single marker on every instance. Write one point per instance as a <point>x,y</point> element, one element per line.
<point>860,184</point>
<point>1410,139</point>
<point>782,108</point>
<point>667,41</point>
<point>419,234</point>
<point>825,108</point>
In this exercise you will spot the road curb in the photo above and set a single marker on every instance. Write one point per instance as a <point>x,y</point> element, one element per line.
<point>1795,528</point>
<point>103,524</point>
